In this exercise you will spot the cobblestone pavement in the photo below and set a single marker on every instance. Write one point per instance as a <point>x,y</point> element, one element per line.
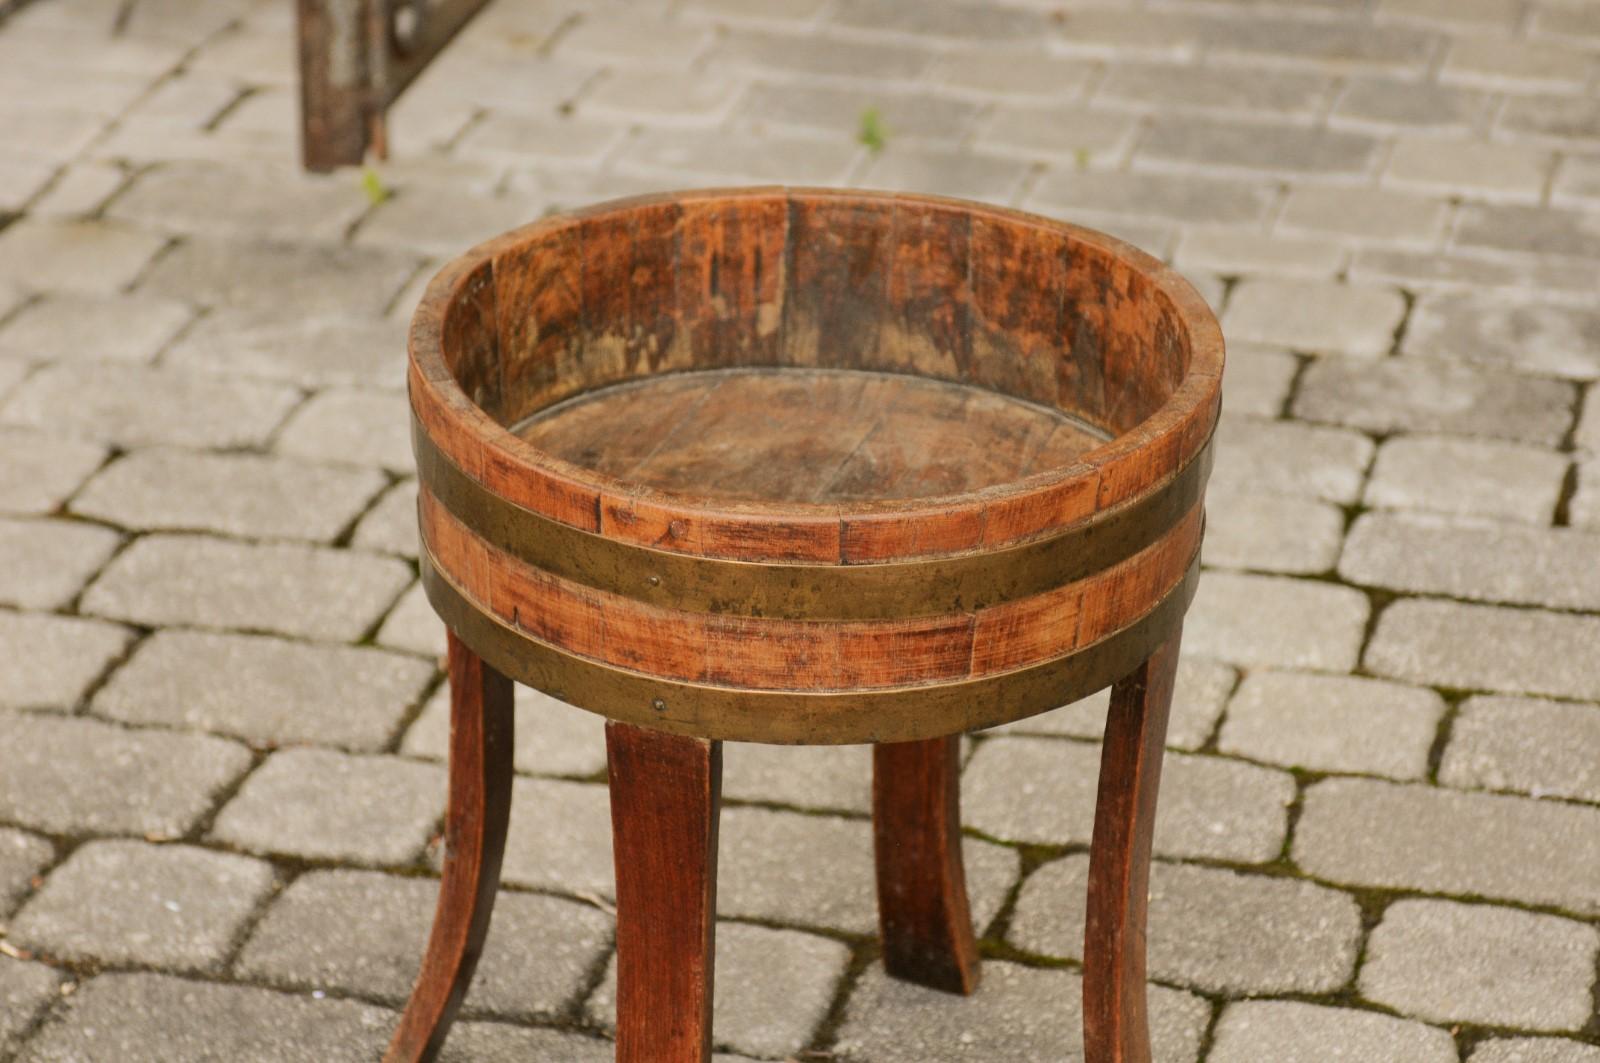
<point>221,782</point>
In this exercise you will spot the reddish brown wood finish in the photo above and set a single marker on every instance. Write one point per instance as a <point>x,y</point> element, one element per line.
<point>475,835</point>
<point>922,888</point>
<point>1115,1023</point>
<point>666,794</point>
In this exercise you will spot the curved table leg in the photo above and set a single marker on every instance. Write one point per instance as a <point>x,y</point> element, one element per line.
<point>1116,1027</point>
<point>666,799</point>
<point>922,887</point>
<point>475,837</point>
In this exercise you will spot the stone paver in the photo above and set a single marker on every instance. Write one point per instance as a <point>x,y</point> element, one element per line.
<point>387,808</point>
<point>230,494</point>
<point>1371,833</point>
<point>1037,790</point>
<point>50,560</point>
<point>1478,647</point>
<point>78,652</point>
<point>26,989</point>
<point>151,1018</point>
<point>265,690</point>
<point>80,776</point>
<point>773,989</point>
<point>1474,963</point>
<point>282,588</point>
<point>1018,1015</point>
<point>1333,723</point>
<point>1395,208</point>
<point>1538,747</point>
<point>1256,621</point>
<point>364,933</point>
<point>175,907</point>
<point>1290,1032</point>
<point>1467,478</point>
<point>1211,930</point>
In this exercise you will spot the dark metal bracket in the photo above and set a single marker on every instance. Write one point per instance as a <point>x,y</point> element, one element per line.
<point>356,57</point>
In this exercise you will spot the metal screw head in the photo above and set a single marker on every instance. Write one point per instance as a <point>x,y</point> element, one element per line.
<point>658,705</point>
<point>654,581</point>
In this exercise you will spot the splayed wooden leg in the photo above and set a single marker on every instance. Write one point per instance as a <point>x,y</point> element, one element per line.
<point>481,731</point>
<point>922,888</point>
<point>666,798</point>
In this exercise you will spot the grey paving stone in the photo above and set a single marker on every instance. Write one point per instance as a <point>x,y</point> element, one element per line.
<point>1018,1015</point>
<point>364,933</point>
<point>51,660</point>
<point>1209,929</point>
<point>1478,647</point>
<point>242,201</point>
<point>810,777</point>
<point>77,776</point>
<point>39,470</point>
<point>232,494</point>
<point>1283,457</point>
<point>1271,533</point>
<point>964,22</point>
<point>769,53</point>
<point>1333,723</point>
<point>353,427</point>
<point>134,406</point>
<point>815,871</point>
<point>275,587</point>
<point>323,805</point>
<point>1538,747</point>
<point>1077,136</point>
<point>1523,335</point>
<point>1501,173</point>
<point>495,1042</point>
<point>1317,317</point>
<point>1383,105</point>
<point>1253,94</point>
<point>175,907</point>
<point>26,989</point>
<point>65,327</point>
<point>413,625</point>
<point>22,856</point>
<point>265,690</point>
<point>314,279</point>
<point>313,351</point>
<point>947,172</point>
<point>835,111</point>
<point>1201,690</point>
<point>1043,791</point>
<point>1475,963</point>
<point>76,256</point>
<point>560,838</point>
<point>1365,213</point>
<point>1474,14</point>
<point>1370,833</point>
<point>1269,621</point>
<point>1188,142</point>
<point>1468,478</point>
<point>50,560</point>
<point>1288,1031</point>
<point>1561,119</point>
<point>712,154</point>
<point>657,96</point>
<point>773,989</point>
<point>390,526</point>
<point>150,1018</point>
<point>1493,562</point>
<point>1415,394</point>
<point>1193,199</point>
<point>1526,230</point>
<point>1493,62</point>
<point>1533,1050</point>
<point>1342,46</point>
<point>1235,252</point>
<point>552,737</point>
<point>411,220</point>
<point>1001,70</point>
<point>1257,379</point>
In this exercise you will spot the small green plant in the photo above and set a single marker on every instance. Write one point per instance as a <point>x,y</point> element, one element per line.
<point>1081,157</point>
<point>873,133</point>
<point>373,186</point>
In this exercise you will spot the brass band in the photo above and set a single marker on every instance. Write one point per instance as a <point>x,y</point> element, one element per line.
<point>879,591</point>
<point>901,714</point>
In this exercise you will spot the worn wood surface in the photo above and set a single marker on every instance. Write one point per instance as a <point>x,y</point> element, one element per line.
<point>666,794</point>
<point>923,912</point>
<point>478,813</point>
<point>1115,1020</point>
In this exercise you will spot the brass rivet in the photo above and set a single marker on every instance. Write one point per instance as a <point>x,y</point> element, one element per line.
<point>658,705</point>
<point>654,581</point>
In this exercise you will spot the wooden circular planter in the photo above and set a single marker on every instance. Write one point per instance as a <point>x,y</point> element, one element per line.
<point>806,467</point>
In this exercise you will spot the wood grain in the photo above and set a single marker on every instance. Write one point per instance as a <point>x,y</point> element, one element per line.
<point>665,803</point>
<point>1115,1020</point>
<point>478,813</point>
